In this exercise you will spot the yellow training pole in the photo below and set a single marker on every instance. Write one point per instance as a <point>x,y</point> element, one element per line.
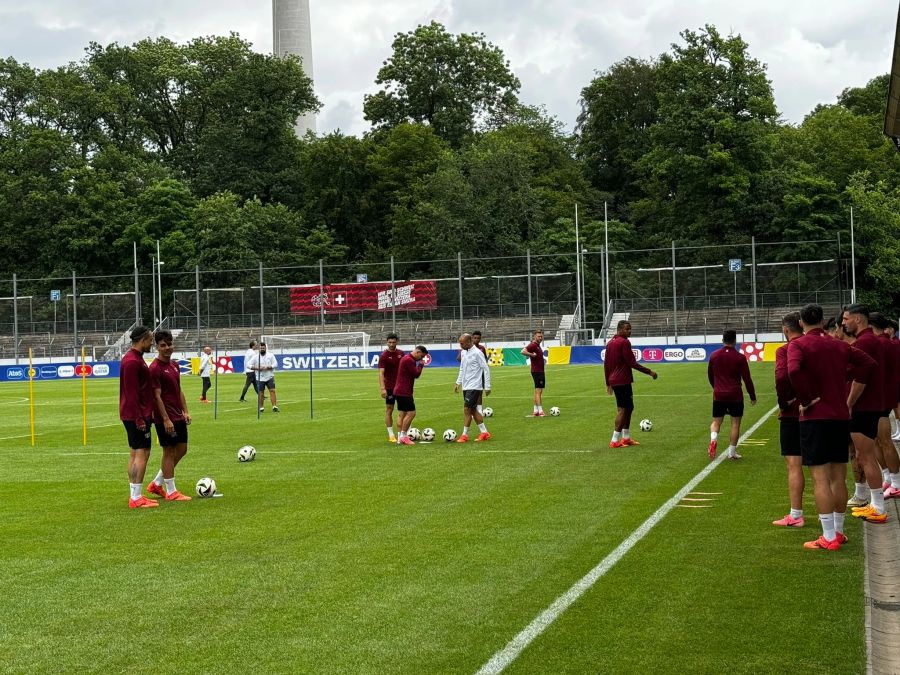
<point>31,394</point>
<point>83,399</point>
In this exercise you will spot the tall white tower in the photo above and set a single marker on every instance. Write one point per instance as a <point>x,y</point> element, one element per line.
<point>292,34</point>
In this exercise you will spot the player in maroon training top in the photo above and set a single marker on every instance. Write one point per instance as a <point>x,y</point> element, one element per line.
<point>727,367</point>
<point>170,417</point>
<point>407,373</point>
<point>388,363</point>
<point>866,411</point>
<point>819,368</point>
<point>535,352</point>
<point>617,366</point>
<point>789,419</point>
<point>135,411</point>
<point>891,386</point>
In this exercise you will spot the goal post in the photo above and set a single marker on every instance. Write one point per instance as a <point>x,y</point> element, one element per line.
<point>576,336</point>
<point>321,344</point>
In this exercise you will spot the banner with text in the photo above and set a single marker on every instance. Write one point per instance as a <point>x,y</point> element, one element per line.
<point>345,298</point>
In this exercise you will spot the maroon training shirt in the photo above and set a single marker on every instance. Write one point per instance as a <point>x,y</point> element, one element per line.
<point>872,399</point>
<point>389,361</point>
<point>167,378</point>
<point>537,362</point>
<point>727,367</point>
<point>407,374</point>
<point>891,370</point>
<point>619,362</point>
<point>783,389</point>
<point>135,392</point>
<point>819,366</point>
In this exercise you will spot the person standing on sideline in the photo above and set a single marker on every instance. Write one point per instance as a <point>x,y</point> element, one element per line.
<point>617,367</point>
<point>205,372</point>
<point>727,367</point>
<point>535,352</point>
<point>136,411</point>
<point>789,419</point>
<point>249,374</point>
<point>865,412</point>
<point>170,417</point>
<point>388,363</point>
<point>408,372</point>
<point>819,368</point>
<point>475,379</point>
<point>263,364</point>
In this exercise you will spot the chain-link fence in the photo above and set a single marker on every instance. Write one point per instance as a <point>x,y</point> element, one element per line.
<point>509,296</point>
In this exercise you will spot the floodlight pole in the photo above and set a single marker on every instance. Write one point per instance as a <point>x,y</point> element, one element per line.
<point>460,279</point>
<point>528,274</point>
<point>159,295</point>
<point>262,306</point>
<point>137,290</point>
<point>674,296</point>
<point>578,307</point>
<point>15,300</point>
<point>322,293</point>
<point>606,253</point>
<point>852,259</point>
<point>197,290</point>
<point>753,279</point>
<point>393,303</point>
<point>74,314</point>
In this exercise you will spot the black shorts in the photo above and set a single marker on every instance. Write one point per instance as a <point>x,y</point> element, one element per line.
<point>405,403</point>
<point>180,435</point>
<point>137,439</point>
<point>268,384</point>
<point>539,380</point>
<point>733,408</point>
<point>824,441</point>
<point>471,398</point>
<point>389,397</point>
<point>624,396</point>
<point>790,436</point>
<point>865,423</point>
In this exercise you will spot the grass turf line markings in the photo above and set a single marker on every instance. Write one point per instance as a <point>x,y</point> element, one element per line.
<point>503,658</point>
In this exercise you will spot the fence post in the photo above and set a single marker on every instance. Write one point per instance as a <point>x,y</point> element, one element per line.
<point>578,307</point>
<point>322,293</point>
<point>74,314</point>
<point>197,291</point>
<point>393,299</point>
<point>460,278</point>
<point>262,304</point>
<point>528,275</point>
<point>753,280</point>
<point>674,297</point>
<point>137,291</point>
<point>15,300</point>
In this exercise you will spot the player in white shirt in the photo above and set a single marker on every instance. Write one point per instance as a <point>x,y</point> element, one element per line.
<point>263,364</point>
<point>474,377</point>
<point>206,364</point>
<point>249,373</point>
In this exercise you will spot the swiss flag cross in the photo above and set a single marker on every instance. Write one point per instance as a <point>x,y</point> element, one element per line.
<point>426,359</point>
<point>224,365</point>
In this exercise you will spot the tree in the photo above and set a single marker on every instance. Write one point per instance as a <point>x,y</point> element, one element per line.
<point>452,83</point>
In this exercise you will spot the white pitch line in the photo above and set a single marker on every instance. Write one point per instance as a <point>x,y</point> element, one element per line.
<point>503,658</point>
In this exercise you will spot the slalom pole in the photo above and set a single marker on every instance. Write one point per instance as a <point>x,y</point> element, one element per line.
<point>216,385</point>
<point>31,394</point>
<point>83,398</point>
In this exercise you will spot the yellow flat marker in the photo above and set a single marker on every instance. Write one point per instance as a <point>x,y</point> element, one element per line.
<point>697,499</point>
<point>694,506</point>
<point>704,493</point>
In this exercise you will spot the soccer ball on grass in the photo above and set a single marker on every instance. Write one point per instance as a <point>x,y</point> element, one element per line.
<point>428,434</point>
<point>449,435</point>
<point>488,412</point>
<point>554,411</point>
<point>414,434</point>
<point>646,425</point>
<point>206,487</point>
<point>247,453</point>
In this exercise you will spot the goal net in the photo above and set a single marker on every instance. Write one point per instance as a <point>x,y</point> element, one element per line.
<point>355,344</point>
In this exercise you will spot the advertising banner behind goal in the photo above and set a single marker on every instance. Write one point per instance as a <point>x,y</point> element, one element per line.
<point>345,298</point>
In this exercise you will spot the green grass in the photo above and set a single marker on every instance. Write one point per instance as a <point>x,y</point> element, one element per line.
<point>336,552</point>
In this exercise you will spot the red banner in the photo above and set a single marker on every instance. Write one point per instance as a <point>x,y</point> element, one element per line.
<point>344,298</point>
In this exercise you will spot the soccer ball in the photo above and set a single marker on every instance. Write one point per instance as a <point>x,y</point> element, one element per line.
<point>646,425</point>
<point>414,434</point>
<point>554,411</point>
<point>449,435</point>
<point>206,487</point>
<point>488,412</point>
<point>247,453</point>
<point>428,434</point>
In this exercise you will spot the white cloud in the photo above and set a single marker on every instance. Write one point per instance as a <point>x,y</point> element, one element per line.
<point>813,49</point>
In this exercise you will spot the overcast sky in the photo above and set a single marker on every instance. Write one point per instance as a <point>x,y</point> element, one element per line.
<point>813,48</point>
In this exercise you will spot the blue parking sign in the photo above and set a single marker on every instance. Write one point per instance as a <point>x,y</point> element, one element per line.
<point>55,295</point>
<point>734,265</point>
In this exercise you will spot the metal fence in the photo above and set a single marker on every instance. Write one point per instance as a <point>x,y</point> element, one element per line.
<point>56,316</point>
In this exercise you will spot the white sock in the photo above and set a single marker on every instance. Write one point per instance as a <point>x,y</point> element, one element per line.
<point>536,408</point>
<point>878,499</point>
<point>626,433</point>
<point>482,428</point>
<point>885,476</point>
<point>616,436</point>
<point>465,431</point>
<point>796,513</point>
<point>390,432</point>
<point>732,451</point>
<point>895,481</point>
<point>170,485</point>
<point>402,434</point>
<point>479,409</point>
<point>839,522</point>
<point>828,526</point>
<point>159,478</point>
<point>135,490</point>
<point>862,491</point>
<point>540,408</point>
<point>713,435</point>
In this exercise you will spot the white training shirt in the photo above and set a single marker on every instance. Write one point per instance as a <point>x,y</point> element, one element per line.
<point>249,354</point>
<point>264,361</point>
<point>472,366</point>
<point>205,364</point>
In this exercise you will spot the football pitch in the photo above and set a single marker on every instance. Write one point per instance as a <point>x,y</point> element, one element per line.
<point>336,552</point>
